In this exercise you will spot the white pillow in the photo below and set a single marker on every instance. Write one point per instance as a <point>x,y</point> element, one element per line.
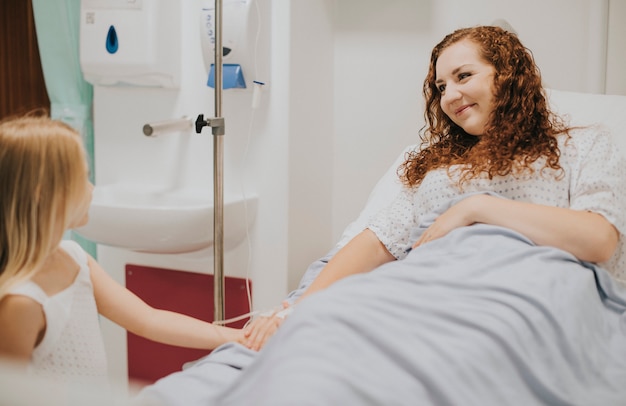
<point>588,109</point>
<point>576,108</point>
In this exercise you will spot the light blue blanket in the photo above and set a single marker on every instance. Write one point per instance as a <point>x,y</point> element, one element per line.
<point>480,317</point>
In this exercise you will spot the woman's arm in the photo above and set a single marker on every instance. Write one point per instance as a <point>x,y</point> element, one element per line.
<point>362,254</point>
<point>124,308</point>
<point>586,235</point>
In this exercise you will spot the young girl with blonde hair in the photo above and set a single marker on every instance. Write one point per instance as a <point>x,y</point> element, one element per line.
<point>51,291</point>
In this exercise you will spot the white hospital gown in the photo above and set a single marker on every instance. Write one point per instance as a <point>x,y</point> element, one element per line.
<point>594,179</point>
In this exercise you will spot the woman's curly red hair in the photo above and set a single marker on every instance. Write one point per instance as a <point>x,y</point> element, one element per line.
<point>521,128</point>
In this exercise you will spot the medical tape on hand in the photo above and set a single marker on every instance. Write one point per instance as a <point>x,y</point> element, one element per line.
<point>280,312</point>
<point>284,313</point>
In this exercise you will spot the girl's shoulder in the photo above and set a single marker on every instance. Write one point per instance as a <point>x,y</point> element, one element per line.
<point>74,250</point>
<point>31,290</point>
<point>65,268</point>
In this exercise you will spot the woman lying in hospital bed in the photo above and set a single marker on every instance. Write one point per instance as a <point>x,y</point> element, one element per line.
<point>492,278</point>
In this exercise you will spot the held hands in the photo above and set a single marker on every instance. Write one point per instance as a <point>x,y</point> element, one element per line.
<point>232,335</point>
<point>262,328</point>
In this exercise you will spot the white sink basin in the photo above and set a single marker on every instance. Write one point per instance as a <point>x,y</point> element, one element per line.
<point>159,220</point>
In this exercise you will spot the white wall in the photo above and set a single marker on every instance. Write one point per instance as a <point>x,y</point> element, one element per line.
<point>311,134</point>
<point>616,53</point>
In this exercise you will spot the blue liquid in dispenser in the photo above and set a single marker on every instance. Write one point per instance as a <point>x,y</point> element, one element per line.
<point>112,43</point>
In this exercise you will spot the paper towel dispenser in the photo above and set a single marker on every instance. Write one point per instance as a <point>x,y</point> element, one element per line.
<point>131,42</point>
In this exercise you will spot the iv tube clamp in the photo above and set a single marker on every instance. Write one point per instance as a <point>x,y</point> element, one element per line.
<point>217,124</point>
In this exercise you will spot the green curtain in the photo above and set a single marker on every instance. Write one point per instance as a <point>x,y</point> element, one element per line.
<point>58,26</point>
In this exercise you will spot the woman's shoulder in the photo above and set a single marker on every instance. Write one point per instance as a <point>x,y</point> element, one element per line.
<point>590,134</point>
<point>582,141</point>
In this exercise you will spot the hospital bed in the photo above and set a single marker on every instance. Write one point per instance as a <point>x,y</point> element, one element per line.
<point>523,325</point>
<point>417,338</point>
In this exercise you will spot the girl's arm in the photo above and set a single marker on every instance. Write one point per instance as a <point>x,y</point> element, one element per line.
<point>124,308</point>
<point>586,235</point>
<point>362,254</point>
<point>22,324</point>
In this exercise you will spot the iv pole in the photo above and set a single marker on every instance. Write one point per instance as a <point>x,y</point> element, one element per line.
<point>218,130</point>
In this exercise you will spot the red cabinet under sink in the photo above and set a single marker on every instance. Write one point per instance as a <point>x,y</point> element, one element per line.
<point>180,291</point>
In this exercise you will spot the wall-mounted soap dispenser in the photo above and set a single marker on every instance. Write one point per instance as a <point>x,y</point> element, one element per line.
<point>131,42</point>
<point>239,36</point>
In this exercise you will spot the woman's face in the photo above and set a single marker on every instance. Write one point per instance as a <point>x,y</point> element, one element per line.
<point>465,82</point>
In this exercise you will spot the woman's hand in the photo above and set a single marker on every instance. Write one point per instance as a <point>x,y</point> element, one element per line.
<point>587,235</point>
<point>262,328</point>
<point>459,215</point>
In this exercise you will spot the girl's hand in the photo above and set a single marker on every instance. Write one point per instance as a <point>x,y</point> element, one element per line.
<point>459,215</point>
<point>228,334</point>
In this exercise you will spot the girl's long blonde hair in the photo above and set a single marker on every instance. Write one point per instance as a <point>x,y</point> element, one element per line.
<point>42,171</point>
